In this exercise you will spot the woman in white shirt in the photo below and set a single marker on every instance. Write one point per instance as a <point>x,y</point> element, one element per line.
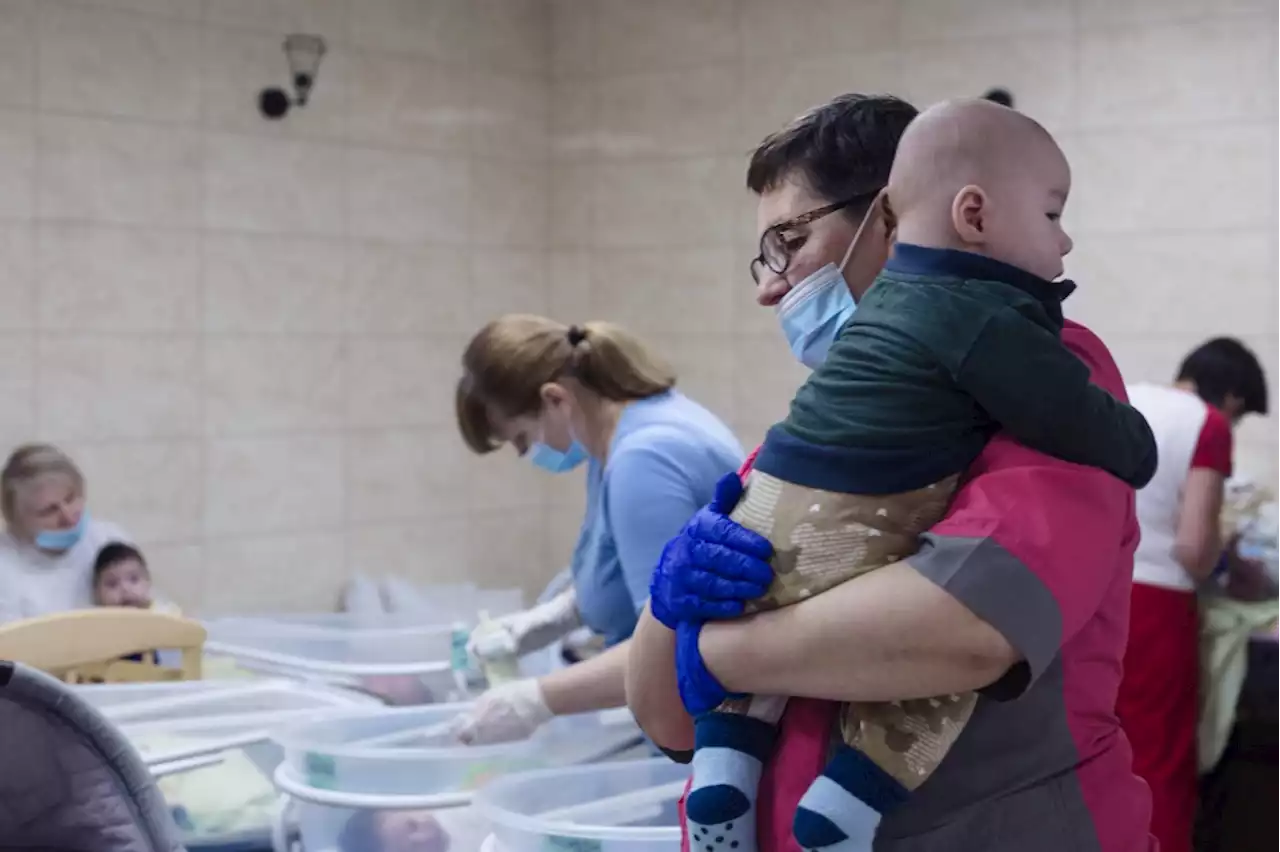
<point>50,542</point>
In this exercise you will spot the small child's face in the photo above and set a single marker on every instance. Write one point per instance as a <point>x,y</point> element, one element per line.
<point>411,831</point>
<point>125,583</point>
<point>1024,225</point>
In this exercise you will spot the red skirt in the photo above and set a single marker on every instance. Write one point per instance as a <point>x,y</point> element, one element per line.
<point>1159,704</point>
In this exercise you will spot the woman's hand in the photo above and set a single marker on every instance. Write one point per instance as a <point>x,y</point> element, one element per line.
<point>713,567</point>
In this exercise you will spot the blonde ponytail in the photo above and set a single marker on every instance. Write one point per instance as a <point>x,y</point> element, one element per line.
<point>511,358</point>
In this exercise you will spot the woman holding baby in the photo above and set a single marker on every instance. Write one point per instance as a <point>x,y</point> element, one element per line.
<point>1020,592</point>
<point>50,542</point>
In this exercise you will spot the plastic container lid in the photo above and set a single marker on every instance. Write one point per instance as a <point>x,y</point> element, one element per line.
<point>628,806</point>
<point>191,702</point>
<point>409,758</point>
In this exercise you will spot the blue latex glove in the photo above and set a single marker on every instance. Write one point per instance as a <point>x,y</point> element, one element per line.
<point>699,690</point>
<point>713,566</point>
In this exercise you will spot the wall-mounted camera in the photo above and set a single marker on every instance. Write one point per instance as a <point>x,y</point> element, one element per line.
<point>303,53</point>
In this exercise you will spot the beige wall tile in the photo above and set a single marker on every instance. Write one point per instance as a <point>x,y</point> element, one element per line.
<point>808,28</point>
<point>1126,79</point>
<point>775,91</point>
<point>118,280</point>
<point>433,549</point>
<point>17,52</point>
<point>17,165</point>
<point>273,484</point>
<point>511,35</point>
<point>113,172</point>
<point>573,38</point>
<point>272,385</point>
<point>186,9</point>
<point>510,116</point>
<point>103,62</point>
<point>510,203</point>
<point>403,382</point>
<point>327,17</point>
<point>407,290</point>
<point>147,487</point>
<point>97,387</point>
<point>635,37</point>
<point>570,295</point>
<point>765,378</point>
<point>256,284</point>
<point>400,475</point>
<point>407,198</point>
<point>671,292</point>
<point>933,20</point>
<point>1035,66</point>
<point>273,186</point>
<point>438,29</point>
<point>411,102</point>
<point>669,113</point>
<point>572,201</point>
<point>506,282</point>
<point>1141,180</point>
<point>18,388</point>
<point>574,124</point>
<point>665,203</point>
<point>563,527</point>
<point>1097,14</point>
<point>17,277</point>
<point>705,367</point>
<point>1166,284</point>
<point>285,573</point>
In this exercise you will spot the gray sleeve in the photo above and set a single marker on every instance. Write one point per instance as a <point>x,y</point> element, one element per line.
<point>998,588</point>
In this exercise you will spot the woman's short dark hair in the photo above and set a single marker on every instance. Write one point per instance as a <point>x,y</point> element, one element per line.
<point>113,554</point>
<point>841,149</point>
<point>1225,367</point>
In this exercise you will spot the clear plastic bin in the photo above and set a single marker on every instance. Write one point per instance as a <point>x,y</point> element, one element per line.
<point>191,701</point>
<point>402,770</point>
<point>613,807</point>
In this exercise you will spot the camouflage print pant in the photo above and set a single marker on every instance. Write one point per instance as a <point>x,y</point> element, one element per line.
<point>822,539</point>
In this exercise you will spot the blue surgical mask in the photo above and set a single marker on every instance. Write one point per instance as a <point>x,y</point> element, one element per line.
<point>813,312</point>
<point>61,540</point>
<point>554,461</point>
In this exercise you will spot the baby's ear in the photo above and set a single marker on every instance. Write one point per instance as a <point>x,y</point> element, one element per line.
<point>968,214</point>
<point>887,215</point>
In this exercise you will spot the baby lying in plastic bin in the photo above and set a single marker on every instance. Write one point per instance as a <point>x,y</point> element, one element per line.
<point>393,831</point>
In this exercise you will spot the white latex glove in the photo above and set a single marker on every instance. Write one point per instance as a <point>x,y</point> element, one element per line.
<point>505,713</point>
<point>529,630</point>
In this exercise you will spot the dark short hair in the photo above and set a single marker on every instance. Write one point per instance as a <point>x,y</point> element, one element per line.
<point>113,554</point>
<point>1004,97</point>
<point>842,149</point>
<point>1225,367</point>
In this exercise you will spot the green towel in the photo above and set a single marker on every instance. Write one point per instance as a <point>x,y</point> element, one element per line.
<point>1226,626</point>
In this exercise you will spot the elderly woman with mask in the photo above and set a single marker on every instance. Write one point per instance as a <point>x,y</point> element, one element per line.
<point>50,542</point>
<point>1020,592</point>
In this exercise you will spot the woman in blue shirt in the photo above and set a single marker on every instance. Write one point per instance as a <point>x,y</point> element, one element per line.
<point>593,395</point>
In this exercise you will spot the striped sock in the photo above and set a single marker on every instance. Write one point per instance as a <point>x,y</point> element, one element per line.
<point>841,809</point>
<point>729,755</point>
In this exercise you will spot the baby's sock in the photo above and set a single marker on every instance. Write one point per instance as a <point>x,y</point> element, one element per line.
<point>842,808</point>
<point>730,751</point>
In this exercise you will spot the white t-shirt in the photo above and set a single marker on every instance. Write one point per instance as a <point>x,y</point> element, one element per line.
<point>33,582</point>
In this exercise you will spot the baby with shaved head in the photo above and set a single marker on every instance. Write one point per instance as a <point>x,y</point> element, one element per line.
<point>957,339</point>
<point>978,177</point>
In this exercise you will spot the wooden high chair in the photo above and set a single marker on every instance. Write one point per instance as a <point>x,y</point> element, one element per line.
<point>90,645</point>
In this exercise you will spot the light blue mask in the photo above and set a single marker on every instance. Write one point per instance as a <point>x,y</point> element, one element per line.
<point>62,540</point>
<point>813,312</point>
<point>554,461</point>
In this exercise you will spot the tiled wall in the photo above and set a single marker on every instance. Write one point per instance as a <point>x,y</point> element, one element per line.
<point>247,332</point>
<point>1166,109</point>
